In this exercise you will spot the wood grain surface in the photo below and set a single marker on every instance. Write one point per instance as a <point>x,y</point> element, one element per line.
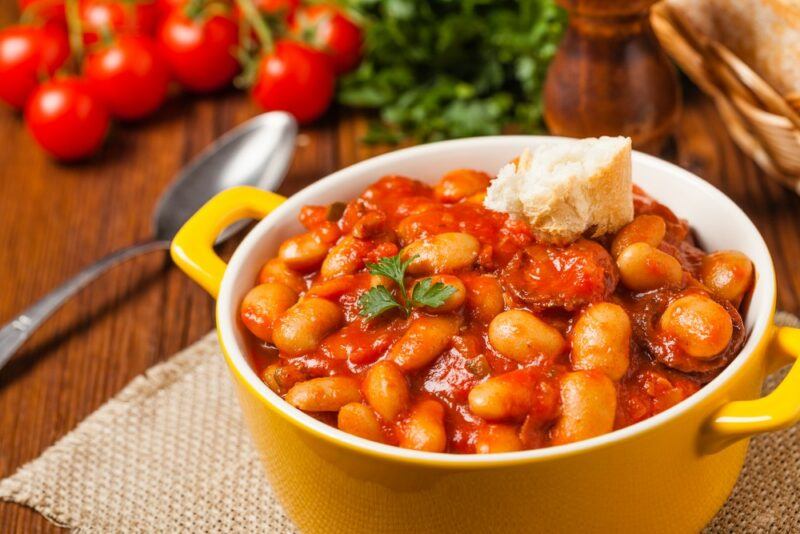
<point>56,219</point>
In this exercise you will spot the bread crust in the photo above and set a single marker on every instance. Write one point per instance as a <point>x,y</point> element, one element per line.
<point>568,208</point>
<point>765,34</point>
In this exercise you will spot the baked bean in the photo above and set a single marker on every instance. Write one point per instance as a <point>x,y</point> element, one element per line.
<point>646,228</point>
<point>380,280</point>
<point>424,340</point>
<point>370,225</point>
<point>263,305</point>
<point>280,378</point>
<point>304,252</point>
<point>701,326</point>
<point>497,438</point>
<point>268,377</point>
<point>477,199</point>
<point>484,297</point>
<point>459,184</point>
<point>523,337</point>
<point>384,249</point>
<point>413,227</point>
<point>386,390</point>
<point>442,253</point>
<point>336,287</point>
<point>642,268</point>
<point>501,397</point>
<point>277,271</point>
<point>312,216</point>
<point>359,420</point>
<point>601,340</point>
<point>455,300</point>
<point>728,274</point>
<point>588,407</point>
<point>303,326</point>
<point>345,257</point>
<point>423,430</point>
<point>326,394</point>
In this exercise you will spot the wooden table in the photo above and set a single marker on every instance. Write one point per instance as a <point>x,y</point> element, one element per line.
<point>56,219</point>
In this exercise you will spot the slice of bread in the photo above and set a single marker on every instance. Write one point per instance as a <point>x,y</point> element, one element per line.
<point>765,34</point>
<point>566,190</point>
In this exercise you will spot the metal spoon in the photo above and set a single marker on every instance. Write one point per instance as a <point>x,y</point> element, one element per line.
<point>257,152</point>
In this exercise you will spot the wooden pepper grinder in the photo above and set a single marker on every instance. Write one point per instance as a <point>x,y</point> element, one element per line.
<point>610,76</point>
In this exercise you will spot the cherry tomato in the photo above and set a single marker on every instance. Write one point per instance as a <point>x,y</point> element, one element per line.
<point>327,29</point>
<point>199,51</point>
<point>165,7</point>
<point>48,13</point>
<point>295,78</point>
<point>66,119</point>
<point>128,76</point>
<point>147,17</point>
<point>26,54</point>
<point>99,16</point>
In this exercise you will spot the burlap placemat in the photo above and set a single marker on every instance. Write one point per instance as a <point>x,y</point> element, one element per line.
<point>171,453</point>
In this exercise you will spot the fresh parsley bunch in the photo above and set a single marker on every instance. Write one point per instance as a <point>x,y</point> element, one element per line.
<point>439,69</point>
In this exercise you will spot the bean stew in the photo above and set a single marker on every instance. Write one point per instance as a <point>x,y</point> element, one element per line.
<point>414,316</point>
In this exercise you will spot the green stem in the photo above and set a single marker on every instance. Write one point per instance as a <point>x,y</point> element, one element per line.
<point>405,297</point>
<point>106,36</point>
<point>254,18</point>
<point>194,8</point>
<point>75,29</point>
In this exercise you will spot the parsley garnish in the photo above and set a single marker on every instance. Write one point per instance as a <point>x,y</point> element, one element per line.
<point>393,268</point>
<point>426,293</point>
<point>379,299</point>
<point>376,301</point>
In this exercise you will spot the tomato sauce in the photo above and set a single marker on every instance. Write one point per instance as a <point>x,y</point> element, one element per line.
<point>554,283</point>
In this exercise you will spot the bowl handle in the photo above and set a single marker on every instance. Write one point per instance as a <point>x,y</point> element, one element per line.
<point>780,409</point>
<point>192,248</point>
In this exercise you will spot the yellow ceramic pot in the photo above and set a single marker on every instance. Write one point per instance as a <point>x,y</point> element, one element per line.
<point>670,473</point>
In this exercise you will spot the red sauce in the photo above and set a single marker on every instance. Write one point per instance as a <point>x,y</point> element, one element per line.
<point>556,283</point>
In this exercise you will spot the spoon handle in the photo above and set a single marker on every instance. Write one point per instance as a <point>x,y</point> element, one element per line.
<point>14,333</point>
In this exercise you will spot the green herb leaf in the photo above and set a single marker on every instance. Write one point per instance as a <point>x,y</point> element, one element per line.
<point>439,69</point>
<point>393,268</point>
<point>426,293</point>
<point>376,301</point>
<point>379,299</point>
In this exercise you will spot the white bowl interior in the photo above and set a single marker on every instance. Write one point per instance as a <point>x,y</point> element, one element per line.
<point>716,220</point>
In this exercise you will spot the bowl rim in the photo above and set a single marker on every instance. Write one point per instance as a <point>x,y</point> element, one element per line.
<point>240,366</point>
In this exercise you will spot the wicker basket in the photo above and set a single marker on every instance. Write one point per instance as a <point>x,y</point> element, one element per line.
<point>765,124</point>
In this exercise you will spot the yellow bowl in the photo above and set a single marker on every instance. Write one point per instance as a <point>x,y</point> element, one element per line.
<point>670,473</point>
